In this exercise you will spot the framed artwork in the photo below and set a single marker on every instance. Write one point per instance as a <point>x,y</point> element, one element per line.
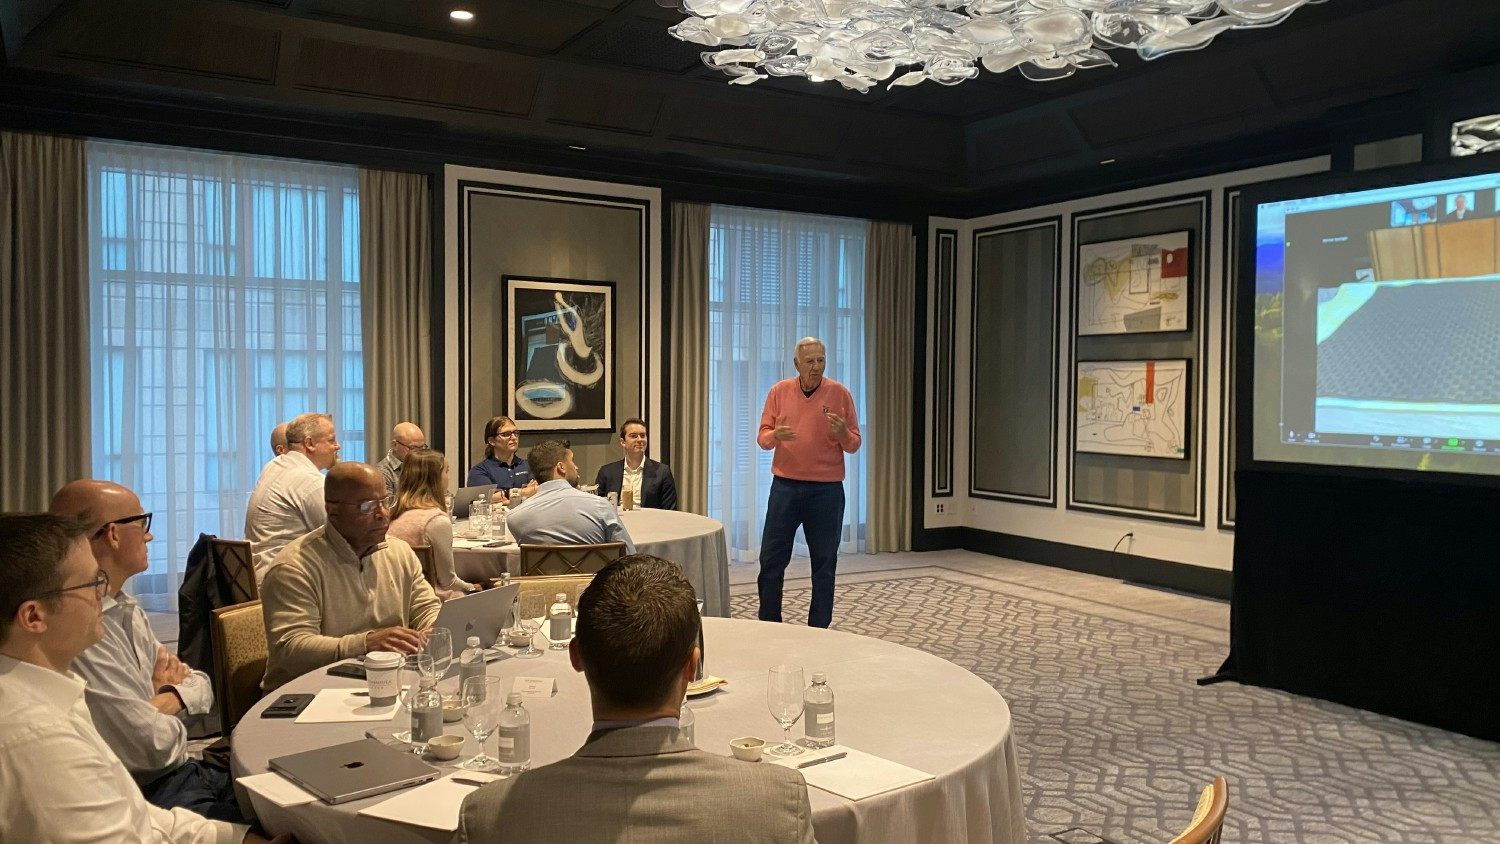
<point>560,358</point>
<point>1135,285</point>
<point>1136,408</point>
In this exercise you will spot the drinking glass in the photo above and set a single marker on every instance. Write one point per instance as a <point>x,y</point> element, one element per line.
<point>414,669</point>
<point>533,607</point>
<point>483,703</point>
<point>784,689</point>
<point>440,648</point>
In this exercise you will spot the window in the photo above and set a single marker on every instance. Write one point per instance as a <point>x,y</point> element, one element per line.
<point>774,278</point>
<point>224,298</point>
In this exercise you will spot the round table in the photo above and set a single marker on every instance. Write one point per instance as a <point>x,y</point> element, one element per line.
<point>894,702</point>
<point>695,542</point>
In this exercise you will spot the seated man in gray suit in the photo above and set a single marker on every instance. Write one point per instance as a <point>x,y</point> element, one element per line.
<point>636,644</point>
<point>650,482</point>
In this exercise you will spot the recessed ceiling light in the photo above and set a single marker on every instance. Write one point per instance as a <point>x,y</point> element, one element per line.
<point>1108,161</point>
<point>461,15</point>
<point>575,146</point>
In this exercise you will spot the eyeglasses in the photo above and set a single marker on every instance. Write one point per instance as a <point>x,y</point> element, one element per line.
<point>100,585</point>
<point>369,506</point>
<point>412,446</point>
<point>507,434</point>
<point>144,517</point>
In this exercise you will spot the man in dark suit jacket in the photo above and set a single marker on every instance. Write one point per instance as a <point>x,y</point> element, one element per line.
<point>637,778</point>
<point>653,482</point>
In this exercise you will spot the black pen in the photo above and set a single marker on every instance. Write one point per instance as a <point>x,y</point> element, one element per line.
<point>841,754</point>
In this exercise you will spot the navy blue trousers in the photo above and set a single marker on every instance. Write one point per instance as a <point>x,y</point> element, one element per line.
<point>197,786</point>
<point>818,508</point>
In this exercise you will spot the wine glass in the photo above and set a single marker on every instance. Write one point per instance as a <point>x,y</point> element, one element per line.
<point>414,669</point>
<point>784,688</point>
<point>440,648</point>
<point>482,705</point>
<point>533,607</point>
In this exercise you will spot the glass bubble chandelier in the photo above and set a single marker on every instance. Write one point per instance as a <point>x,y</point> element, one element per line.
<point>859,43</point>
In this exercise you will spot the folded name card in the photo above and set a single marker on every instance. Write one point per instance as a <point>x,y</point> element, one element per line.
<point>534,687</point>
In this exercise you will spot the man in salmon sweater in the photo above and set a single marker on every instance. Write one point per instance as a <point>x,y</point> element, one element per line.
<point>811,423</point>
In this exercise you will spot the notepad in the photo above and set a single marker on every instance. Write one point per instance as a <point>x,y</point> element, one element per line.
<point>856,776</point>
<point>277,789</point>
<point>436,805</point>
<point>335,705</point>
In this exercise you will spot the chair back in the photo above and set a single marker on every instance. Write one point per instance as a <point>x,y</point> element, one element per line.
<point>235,563</point>
<point>547,586</point>
<point>568,559</point>
<point>1208,819</point>
<point>239,639</point>
<point>429,567</point>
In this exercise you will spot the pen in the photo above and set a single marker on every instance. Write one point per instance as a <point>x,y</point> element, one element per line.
<point>841,754</point>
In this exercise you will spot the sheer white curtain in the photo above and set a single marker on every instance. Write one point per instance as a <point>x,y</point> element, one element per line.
<point>775,277</point>
<point>224,298</point>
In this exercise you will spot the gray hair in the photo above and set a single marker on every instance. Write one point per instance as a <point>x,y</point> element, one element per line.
<point>306,426</point>
<point>807,341</point>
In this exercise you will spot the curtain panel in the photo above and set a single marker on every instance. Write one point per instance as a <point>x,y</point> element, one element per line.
<point>890,301</point>
<point>690,354</point>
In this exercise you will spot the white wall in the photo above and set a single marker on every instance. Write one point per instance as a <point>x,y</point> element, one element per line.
<point>1206,546</point>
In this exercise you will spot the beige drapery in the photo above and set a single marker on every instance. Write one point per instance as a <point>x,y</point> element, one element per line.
<point>44,318</point>
<point>688,389</point>
<point>395,284</point>
<point>890,284</point>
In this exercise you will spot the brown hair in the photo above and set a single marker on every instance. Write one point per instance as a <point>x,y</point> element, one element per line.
<point>421,484</point>
<point>637,623</point>
<point>544,457</point>
<point>32,549</point>
<point>633,421</point>
<point>491,428</point>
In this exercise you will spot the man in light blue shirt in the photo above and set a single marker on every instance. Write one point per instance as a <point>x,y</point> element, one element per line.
<point>559,514</point>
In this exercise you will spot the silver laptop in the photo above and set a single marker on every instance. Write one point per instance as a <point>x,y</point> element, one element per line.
<point>354,770</point>
<point>466,496</point>
<point>484,614</point>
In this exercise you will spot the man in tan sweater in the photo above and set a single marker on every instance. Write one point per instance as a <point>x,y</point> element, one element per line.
<point>344,590</point>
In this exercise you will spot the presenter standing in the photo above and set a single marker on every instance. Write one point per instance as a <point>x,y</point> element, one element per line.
<point>811,424</point>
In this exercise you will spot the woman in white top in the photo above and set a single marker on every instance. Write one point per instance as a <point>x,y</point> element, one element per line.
<point>420,517</point>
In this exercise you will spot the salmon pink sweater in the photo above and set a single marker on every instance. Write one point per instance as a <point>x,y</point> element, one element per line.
<point>815,455</point>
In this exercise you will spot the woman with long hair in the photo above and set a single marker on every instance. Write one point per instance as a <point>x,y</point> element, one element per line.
<point>420,517</point>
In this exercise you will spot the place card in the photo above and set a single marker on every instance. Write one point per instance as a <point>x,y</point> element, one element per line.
<point>535,687</point>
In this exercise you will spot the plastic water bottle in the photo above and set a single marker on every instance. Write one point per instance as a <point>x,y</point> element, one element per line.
<point>514,730</point>
<point>560,623</point>
<point>817,708</point>
<point>470,663</point>
<point>686,721</point>
<point>426,715</point>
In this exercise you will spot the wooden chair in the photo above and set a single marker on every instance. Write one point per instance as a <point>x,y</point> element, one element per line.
<point>233,558</point>
<point>239,641</point>
<point>429,567</point>
<point>547,586</point>
<point>568,559</point>
<point>1208,819</point>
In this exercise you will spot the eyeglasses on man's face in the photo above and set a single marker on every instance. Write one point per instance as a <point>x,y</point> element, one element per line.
<point>145,518</point>
<point>100,585</point>
<point>368,506</point>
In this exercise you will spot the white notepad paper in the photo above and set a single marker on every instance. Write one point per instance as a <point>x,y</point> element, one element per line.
<point>277,789</point>
<point>436,805</point>
<point>334,705</point>
<point>856,776</point>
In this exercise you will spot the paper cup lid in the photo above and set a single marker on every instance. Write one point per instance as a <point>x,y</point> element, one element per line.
<point>382,659</point>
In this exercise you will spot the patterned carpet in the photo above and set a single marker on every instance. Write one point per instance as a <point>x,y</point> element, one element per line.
<point>1115,739</point>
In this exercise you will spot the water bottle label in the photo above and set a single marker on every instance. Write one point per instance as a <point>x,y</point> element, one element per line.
<point>515,745</point>
<point>825,718</point>
<point>561,628</point>
<point>819,720</point>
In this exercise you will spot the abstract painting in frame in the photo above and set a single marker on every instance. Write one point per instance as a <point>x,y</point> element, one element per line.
<point>1136,285</point>
<point>1132,407</point>
<point>560,358</point>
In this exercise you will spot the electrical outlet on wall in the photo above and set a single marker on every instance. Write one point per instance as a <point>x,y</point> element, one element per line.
<point>940,508</point>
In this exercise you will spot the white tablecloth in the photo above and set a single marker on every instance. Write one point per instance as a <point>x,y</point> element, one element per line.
<point>695,542</point>
<point>892,701</point>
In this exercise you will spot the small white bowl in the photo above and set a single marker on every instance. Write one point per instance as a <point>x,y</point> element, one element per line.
<point>445,746</point>
<point>747,749</point>
<point>453,710</point>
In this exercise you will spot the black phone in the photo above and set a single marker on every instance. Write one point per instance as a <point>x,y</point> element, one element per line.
<point>352,670</point>
<point>287,706</point>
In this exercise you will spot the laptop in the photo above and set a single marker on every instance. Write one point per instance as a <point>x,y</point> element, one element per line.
<point>484,614</point>
<point>466,496</point>
<point>353,770</point>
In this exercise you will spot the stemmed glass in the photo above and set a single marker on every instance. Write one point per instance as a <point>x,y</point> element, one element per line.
<point>483,703</point>
<point>533,606</point>
<point>784,688</point>
<point>414,669</point>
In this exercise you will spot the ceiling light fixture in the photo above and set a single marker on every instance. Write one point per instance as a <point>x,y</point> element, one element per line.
<point>461,15</point>
<point>575,146</point>
<point>858,43</point>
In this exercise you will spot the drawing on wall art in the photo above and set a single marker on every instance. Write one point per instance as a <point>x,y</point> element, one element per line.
<point>1134,285</point>
<point>1136,408</point>
<point>560,359</point>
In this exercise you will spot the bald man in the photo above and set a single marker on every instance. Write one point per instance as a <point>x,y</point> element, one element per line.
<point>345,589</point>
<point>278,440</point>
<point>405,437</point>
<point>142,698</point>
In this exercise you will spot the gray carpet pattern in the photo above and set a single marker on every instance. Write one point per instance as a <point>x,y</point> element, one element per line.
<point>1115,739</point>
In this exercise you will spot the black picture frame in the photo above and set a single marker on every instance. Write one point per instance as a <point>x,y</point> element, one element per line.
<point>560,353</point>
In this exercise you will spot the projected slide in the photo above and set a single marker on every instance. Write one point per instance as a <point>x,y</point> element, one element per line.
<point>1132,407</point>
<point>1377,328</point>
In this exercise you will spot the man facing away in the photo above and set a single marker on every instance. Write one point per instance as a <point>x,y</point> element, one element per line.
<point>278,440</point>
<point>344,589</point>
<point>62,781</point>
<point>139,694</point>
<point>636,646</point>
<point>405,437</point>
<point>287,501</point>
<point>560,514</point>
<point>651,483</point>
<point>811,424</point>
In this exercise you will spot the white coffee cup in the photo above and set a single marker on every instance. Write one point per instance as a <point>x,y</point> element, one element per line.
<point>383,674</point>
